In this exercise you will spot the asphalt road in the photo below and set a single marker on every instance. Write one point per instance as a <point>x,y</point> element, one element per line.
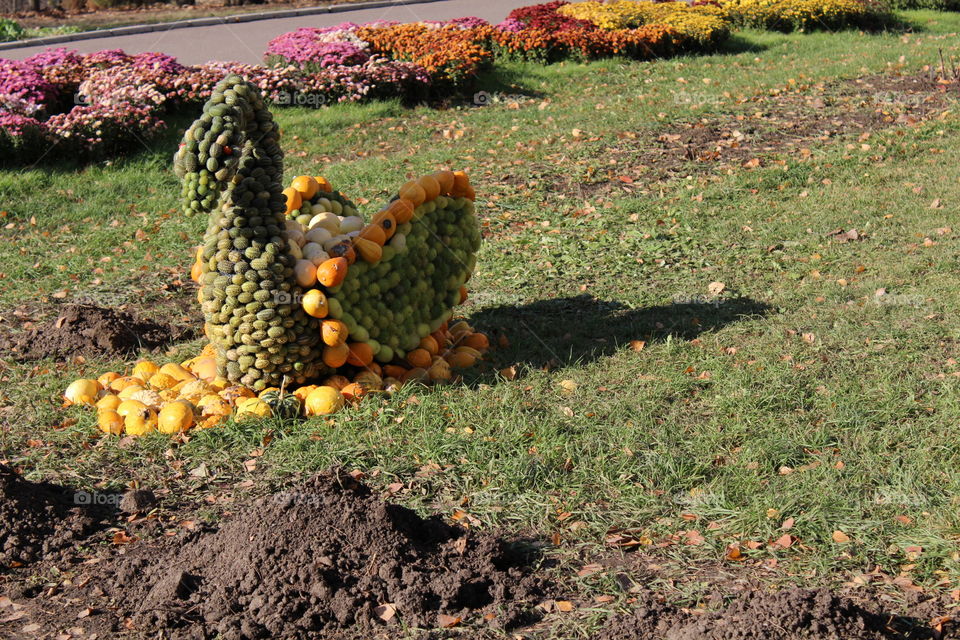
<point>247,41</point>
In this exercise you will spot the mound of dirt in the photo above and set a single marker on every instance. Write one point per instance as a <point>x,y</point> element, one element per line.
<point>88,329</point>
<point>793,614</point>
<point>38,518</point>
<point>325,558</point>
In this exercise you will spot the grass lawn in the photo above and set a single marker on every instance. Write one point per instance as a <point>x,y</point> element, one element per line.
<point>794,396</point>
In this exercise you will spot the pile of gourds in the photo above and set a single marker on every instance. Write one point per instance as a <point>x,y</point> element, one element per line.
<point>306,305</point>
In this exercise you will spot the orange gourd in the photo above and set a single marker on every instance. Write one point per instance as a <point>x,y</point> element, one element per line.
<point>335,357</point>
<point>445,178</point>
<point>420,358</point>
<point>307,186</point>
<point>361,354</point>
<point>334,332</point>
<point>294,199</point>
<point>413,192</point>
<point>373,233</point>
<point>401,210</point>
<point>331,272</point>
<point>431,187</point>
<point>386,221</point>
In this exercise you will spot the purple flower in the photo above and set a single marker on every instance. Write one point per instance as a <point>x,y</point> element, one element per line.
<point>314,47</point>
<point>15,124</point>
<point>511,25</point>
<point>106,58</point>
<point>23,89</point>
<point>158,62</point>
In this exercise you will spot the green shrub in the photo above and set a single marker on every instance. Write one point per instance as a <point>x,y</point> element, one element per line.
<point>10,30</point>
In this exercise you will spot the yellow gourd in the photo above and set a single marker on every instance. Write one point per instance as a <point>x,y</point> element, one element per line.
<point>323,401</point>
<point>82,391</point>
<point>175,417</point>
<point>109,421</point>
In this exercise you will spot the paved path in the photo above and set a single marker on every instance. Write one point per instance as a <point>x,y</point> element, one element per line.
<point>247,41</point>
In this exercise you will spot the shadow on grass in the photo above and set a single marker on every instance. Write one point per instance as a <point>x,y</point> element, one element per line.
<point>580,329</point>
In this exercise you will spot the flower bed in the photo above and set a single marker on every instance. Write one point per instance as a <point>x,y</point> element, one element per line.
<point>808,15</point>
<point>95,105</point>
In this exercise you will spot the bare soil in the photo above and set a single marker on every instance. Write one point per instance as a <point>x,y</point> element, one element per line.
<point>327,558</point>
<point>39,519</point>
<point>95,331</point>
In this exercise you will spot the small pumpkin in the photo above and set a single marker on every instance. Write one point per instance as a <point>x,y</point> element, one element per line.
<point>214,405</point>
<point>162,381</point>
<point>324,184</point>
<point>234,394</point>
<point>429,344</point>
<point>386,221</point>
<point>461,184</point>
<point>305,273</point>
<point>294,199</point>
<point>343,249</point>
<point>284,405</point>
<point>324,401</point>
<point>205,368</point>
<point>354,392</point>
<point>370,251</point>
<point>127,392</point>
<point>82,391</point>
<point>446,180</point>
<point>110,422</point>
<point>394,371</point>
<point>370,380</point>
<point>248,408</point>
<point>175,417</point>
<point>461,360</point>
<point>144,369</point>
<point>331,272</point>
<point>315,303</point>
<point>431,187</point>
<point>361,354</point>
<point>401,210</point>
<point>301,393</point>
<point>119,384</point>
<point>148,397</point>
<point>106,378</point>
<point>420,358</point>
<point>138,418</point>
<point>176,371</point>
<point>374,233</point>
<point>336,381</point>
<point>336,357</point>
<point>334,332</point>
<point>109,401</point>
<point>308,186</point>
<point>413,192</point>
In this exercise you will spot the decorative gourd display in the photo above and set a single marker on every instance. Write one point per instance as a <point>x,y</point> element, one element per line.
<point>297,288</point>
<point>275,262</point>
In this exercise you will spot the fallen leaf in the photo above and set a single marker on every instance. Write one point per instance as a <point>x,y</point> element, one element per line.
<point>510,373</point>
<point>385,612</point>
<point>638,345</point>
<point>564,606</point>
<point>445,621</point>
<point>716,288</point>
<point>784,542</point>
<point>840,537</point>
